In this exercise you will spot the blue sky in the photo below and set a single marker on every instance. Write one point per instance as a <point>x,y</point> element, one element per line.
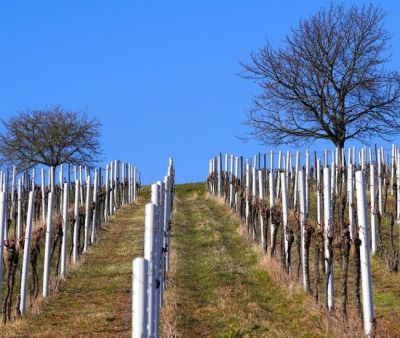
<point>161,76</point>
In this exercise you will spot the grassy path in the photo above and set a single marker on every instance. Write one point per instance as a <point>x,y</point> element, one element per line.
<point>218,286</point>
<point>95,299</point>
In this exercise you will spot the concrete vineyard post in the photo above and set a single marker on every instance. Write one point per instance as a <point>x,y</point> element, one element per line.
<point>13,191</point>
<point>94,221</point>
<point>261,195</point>
<point>219,169</point>
<point>285,221</point>
<point>122,184</point>
<point>51,176</point>
<point>350,198</point>
<point>272,202</point>
<point>19,209</point>
<point>254,193</point>
<point>134,183</point>
<point>368,309</point>
<point>392,168</point>
<point>139,297</point>
<point>87,215</point>
<point>296,179</point>
<point>247,197</point>
<point>236,178</point>
<point>116,187</point>
<point>27,253</point>
<point>61,184</point>
<point>278,176</point>
<point>167,215</point>
<point>43,197</point>
<point>2,223</point>
<point>319,207</point>
<point>129,183</point>
<point>150,211</point>
<point>80,186</point>
<point>379,182</point>
<point>302,201</point>
<point>111,192</point>
<point>106,207</point>
<point>76,223</point>
<point>398,184</point>
<point>47,252</point>
<point>287,167</point>
<point>156,200</point>
<point>230,183</point>
<point>64,228</point>
<point>373,211</point>
<point>306,183</point>
<point>6,215</point>
<point>333,178</point>
<point>328,234</point>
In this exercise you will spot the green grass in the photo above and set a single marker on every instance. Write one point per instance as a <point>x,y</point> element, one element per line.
<point>220,287</point>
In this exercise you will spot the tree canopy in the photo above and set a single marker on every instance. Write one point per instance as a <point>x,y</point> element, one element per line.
<point>50,137</point>
<point>329,80</point>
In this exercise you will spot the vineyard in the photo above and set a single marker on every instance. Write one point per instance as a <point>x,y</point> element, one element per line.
<point>332,227</point>
<point>281,244</point>
<point>48,228</point>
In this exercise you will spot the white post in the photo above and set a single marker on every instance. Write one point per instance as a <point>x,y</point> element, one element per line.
<point>279,168</point>
<point>106,207</point>
<point>27,254</point>
<point>2,227</point>
<point>379,182</point>
<point>76,223</point>
<point>150,213</point>
<point>302,201</point>
<point>116,186</point>
<point>47,252</point>
<point>13,190</point>
<point>398,185</point>
<point>219,164</point>
<point>19,208</point>
<point>319,207</point>
<point>139,297</point>
<point>368,308</point>
<point>94,223</point>
<point>52,178</point>
<point>156,195</point>
<point>327,234</point>
<point>285,219</point>
<point>261,195</point>
<point>87,215</point>
<point>64,227</point>
<point>80,186</point>
<point>247,192</point>
<point>111,193</point>
<point>43,197</point>
<point>134,184</point>
<point>296,177</point>
<point>392,168</point>
<point>333,179</point>
<point>373,210</point>
<point>254,182</point>
<point>272,201</point>
<point>350,197</point>
<point>306,183</point>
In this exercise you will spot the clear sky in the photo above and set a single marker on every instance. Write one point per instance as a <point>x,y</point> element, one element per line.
<point>160,75</point>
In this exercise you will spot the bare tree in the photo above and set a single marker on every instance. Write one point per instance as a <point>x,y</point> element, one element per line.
<point>50,137</point>
<point>328,81</point>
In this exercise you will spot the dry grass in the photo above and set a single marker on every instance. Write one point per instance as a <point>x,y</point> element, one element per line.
<point>385,285</point>
<point>95,299</point>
